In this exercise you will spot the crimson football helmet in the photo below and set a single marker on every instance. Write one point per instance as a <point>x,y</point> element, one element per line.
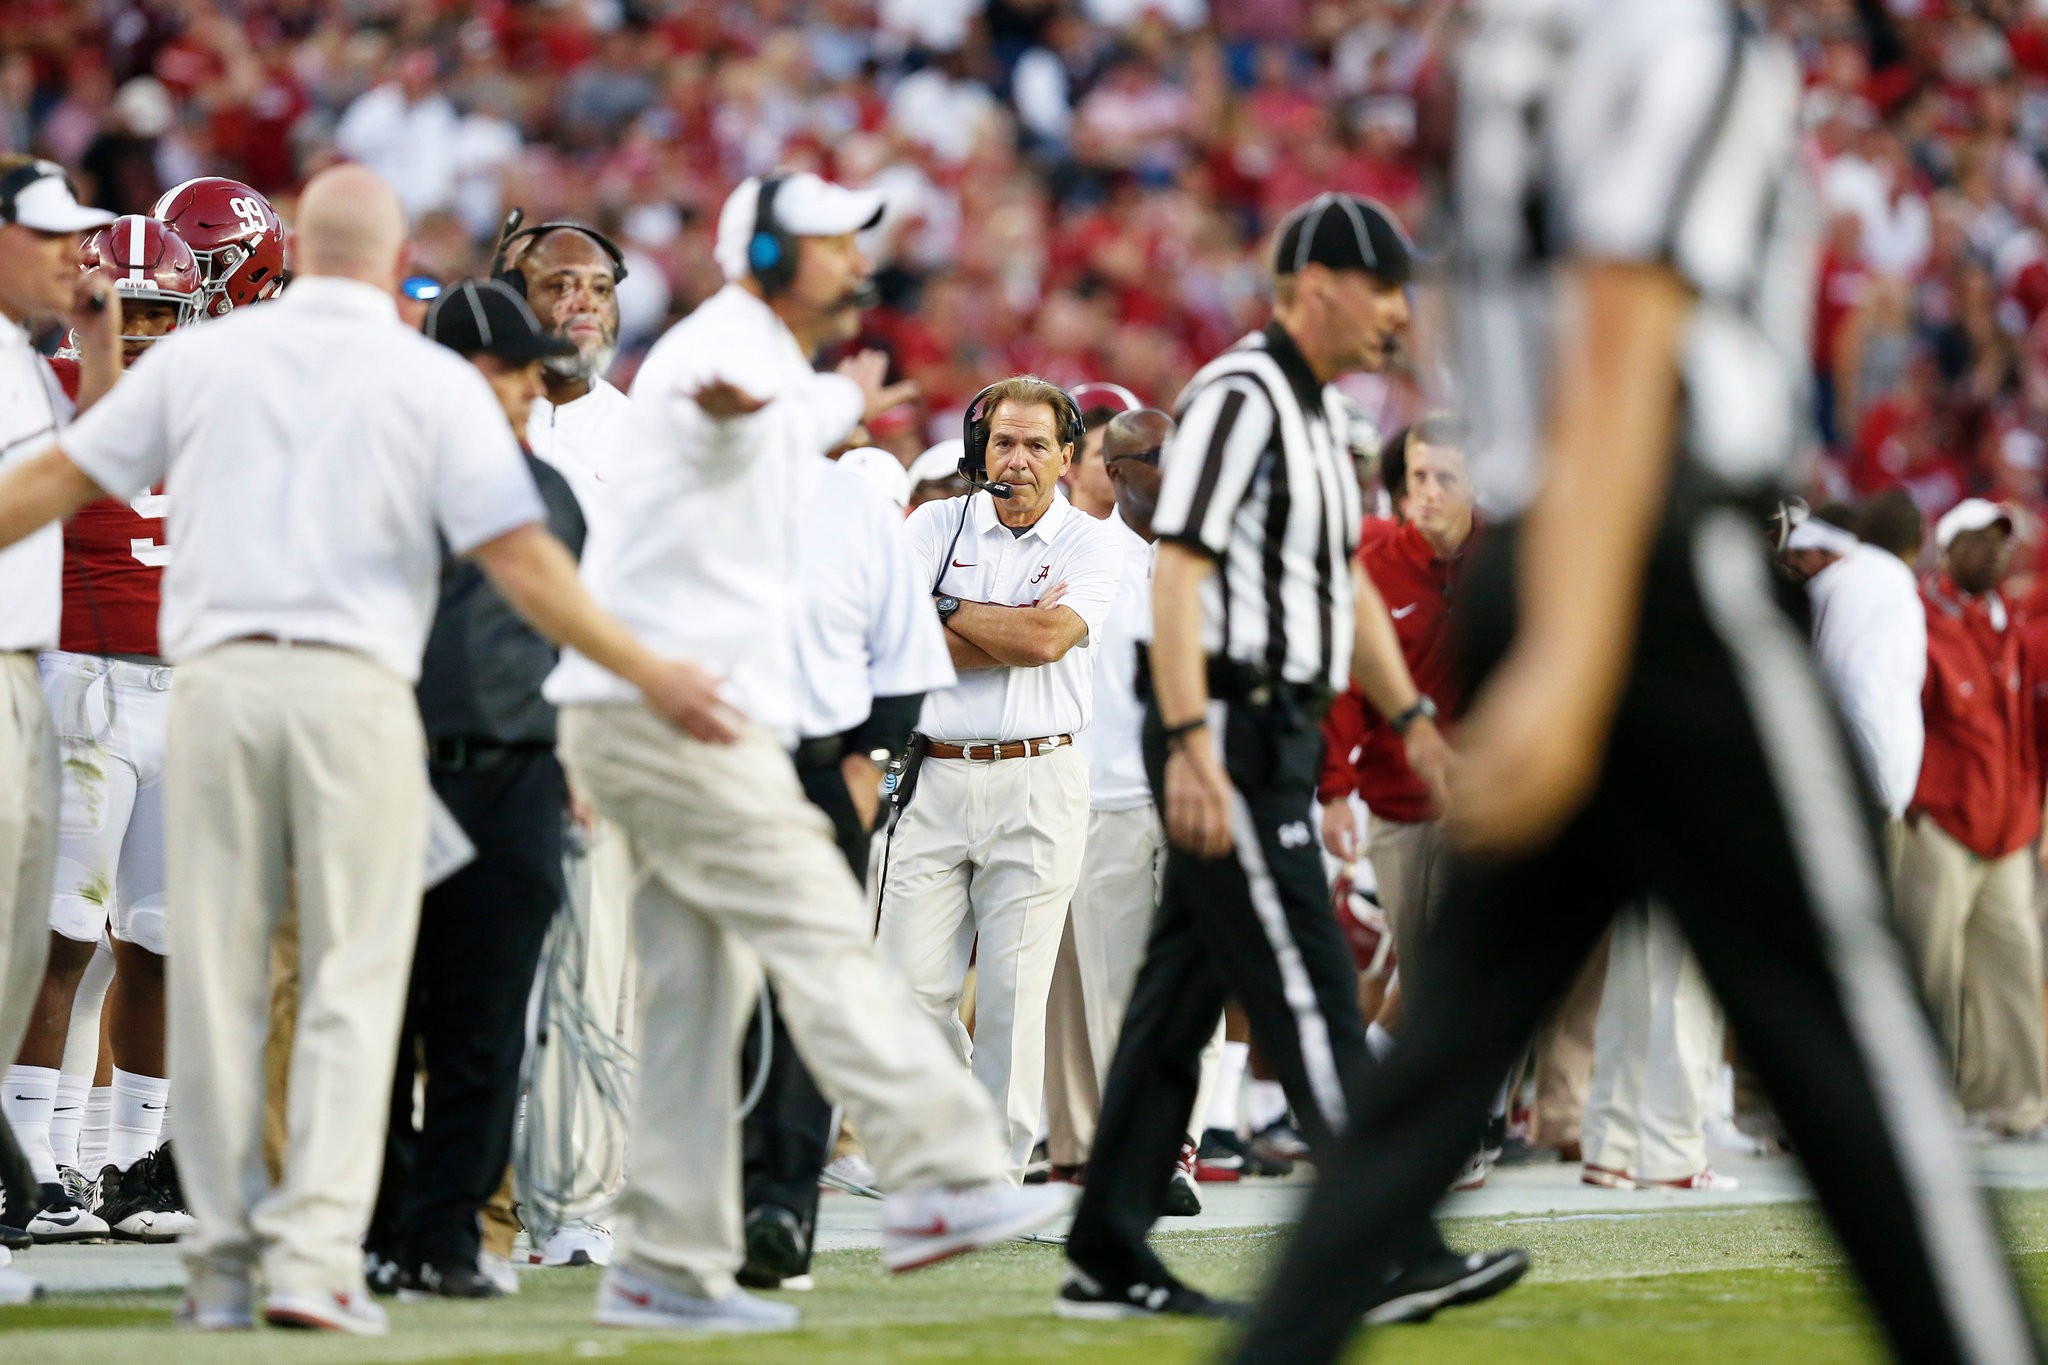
<point>146,262</point>
<point>236,235</point>
<point>1365,926</point>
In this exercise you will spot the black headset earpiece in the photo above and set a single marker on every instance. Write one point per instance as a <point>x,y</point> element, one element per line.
<point>974,432</point>
<point>512,233</point>
<point>771,252</point>
<point>20,178</point>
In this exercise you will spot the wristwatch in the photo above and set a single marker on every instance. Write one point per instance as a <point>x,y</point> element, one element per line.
<point>947,606</point>
<point>1423,709</point>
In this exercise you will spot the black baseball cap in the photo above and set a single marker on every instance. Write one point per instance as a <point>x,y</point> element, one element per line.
<point>1344,232</point>
<point>488,316</point>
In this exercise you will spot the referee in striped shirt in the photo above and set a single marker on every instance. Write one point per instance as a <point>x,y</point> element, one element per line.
<point>1256,605</point>
<point>1633,278</point>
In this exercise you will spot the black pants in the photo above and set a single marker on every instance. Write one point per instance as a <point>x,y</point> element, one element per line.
<point>1254,925</point>
<point>785,1140</point>
<point>480,940</point>
<point>1730,794</point>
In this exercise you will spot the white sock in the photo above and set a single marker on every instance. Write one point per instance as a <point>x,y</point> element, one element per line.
<point>1378,1041</point>
<point>1500,1102</point>
<point>67,1118</point>
<point>138,1117</point>
<point>92,1138</point>
<point>1265,1103</point>
<point>1229,1091</point>
<point>29,1102</point>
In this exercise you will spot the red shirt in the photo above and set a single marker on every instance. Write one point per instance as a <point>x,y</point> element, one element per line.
<point>114,557</point>
<point>1361,752</point>
<point>1980,779</point>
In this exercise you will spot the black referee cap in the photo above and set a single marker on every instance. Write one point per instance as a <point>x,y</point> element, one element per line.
<point>1344,232</point>
<point>488,316</point>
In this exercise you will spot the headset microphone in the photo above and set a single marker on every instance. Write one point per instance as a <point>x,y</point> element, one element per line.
<point>994,488</point>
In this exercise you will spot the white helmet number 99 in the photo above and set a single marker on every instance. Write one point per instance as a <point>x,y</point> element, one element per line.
<point>250,211</point>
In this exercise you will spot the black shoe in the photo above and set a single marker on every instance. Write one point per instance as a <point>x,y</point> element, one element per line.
<point>778,1248</point>
<point>1280,1141</point>
<point>1223,1152</point>
<point>456,1280</point>
<point>1447,1280</point>
<point>380,1273</point>
<point>1086,1299</point>
<point>135,1206</point>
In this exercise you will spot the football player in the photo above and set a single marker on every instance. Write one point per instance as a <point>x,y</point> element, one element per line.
<point>109,691</point>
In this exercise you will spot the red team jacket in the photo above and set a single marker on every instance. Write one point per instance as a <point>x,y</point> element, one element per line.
<point>1980,779</point>
<point>1361,752</point>
<point>114,556</point>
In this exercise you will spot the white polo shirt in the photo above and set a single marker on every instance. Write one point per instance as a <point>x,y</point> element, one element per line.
<point>868,629</point>
<point>321,450</point>
<point>988,564</point>
<point>703,564</point>
<point>1113,741</point>
<point>593,441</point>
<point>32,409</point>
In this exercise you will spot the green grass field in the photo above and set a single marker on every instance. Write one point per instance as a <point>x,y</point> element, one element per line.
<point>1758,1284</point>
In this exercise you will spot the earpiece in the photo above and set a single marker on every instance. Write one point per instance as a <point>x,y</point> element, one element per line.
<point>512,233</point>
<point>771,253</point>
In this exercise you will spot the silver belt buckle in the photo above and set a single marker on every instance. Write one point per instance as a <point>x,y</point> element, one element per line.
<point>160,679</point>
<point>967,752</point>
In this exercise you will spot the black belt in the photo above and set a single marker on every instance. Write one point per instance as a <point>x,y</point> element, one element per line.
<point>461,754</point>
<point>1242,684</point>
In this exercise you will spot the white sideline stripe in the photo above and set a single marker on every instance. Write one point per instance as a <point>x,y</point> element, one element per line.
<point>1310,1027</point>
<point>1839,868</point>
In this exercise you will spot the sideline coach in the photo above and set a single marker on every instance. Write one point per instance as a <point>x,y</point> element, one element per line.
<point>322,452</point>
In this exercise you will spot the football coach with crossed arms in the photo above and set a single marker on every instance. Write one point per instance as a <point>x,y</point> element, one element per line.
<point>991,845</point>
<point>321,450</point>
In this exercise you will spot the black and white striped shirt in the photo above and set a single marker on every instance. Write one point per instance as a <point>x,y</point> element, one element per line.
<point>1649,130</point>
<point>1257,478</point>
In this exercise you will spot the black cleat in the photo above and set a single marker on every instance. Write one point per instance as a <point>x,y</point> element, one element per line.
<point>455,1280</point>
<point>1085,1299</point>
<point>778,1248</point>
<point>1448,1279</point>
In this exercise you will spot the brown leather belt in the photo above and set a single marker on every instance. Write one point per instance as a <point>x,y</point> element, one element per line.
<point>988,751</point>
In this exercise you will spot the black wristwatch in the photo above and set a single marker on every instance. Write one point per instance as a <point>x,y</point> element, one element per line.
<point>947,606</point>
<point>1423,709</point>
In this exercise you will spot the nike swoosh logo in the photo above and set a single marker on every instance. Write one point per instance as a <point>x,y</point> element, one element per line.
<point>152,1106</point>
<point>1399,612</point>
<point>65,1109</point>
<point>958,565</point>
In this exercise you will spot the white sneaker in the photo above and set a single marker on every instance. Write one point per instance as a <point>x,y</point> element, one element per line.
<point>575,1244</point>
<point>356,1314</point>
<point>923,1227</point>
<point>629,1300</point>
<point>63,1219</point>
<point>17,1288</point>
<point>852,1169</point>
<point>217,1302</point>
<point>798,1284</point>
<point>498,1270</point>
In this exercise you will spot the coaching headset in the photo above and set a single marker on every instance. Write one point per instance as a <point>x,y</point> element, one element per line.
<point>974,433</point>
<point>512,232</point>
<point>771,252</point>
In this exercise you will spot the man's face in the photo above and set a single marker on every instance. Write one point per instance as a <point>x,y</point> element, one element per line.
<point>570,285</point>
<point>516,387</point>
<point>142,322</point>
<point>1137,488</point>
<point>1370,316</point>
<point>829,274</point>
<point>1024,451</point>
<point>1976,560</point>
<point>1090,480</point>
<point>1439,502</point>
<point>38,271</point>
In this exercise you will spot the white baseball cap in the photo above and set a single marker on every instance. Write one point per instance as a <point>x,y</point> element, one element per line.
<point>880,469</point>
<point>805,206</point>
<point>39,197</point>
<point>942,461</point>
<point>1971,514</point>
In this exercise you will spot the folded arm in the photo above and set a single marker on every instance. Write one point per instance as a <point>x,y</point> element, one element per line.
<point>1014,637</point>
